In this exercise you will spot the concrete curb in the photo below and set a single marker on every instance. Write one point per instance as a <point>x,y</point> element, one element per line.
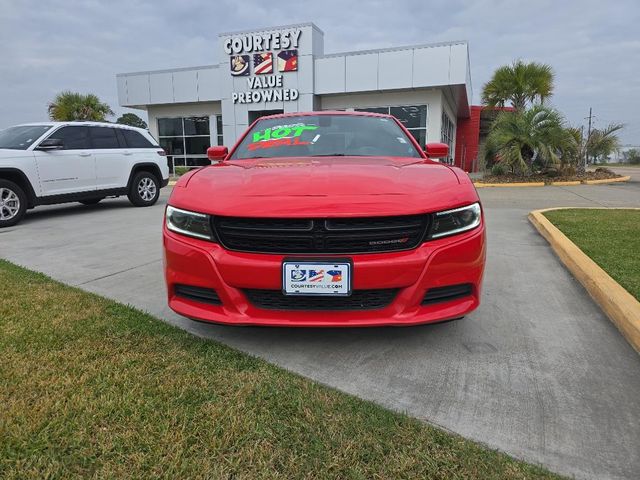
<point>566,184</point>
<point>553,184</point>
<point>619,305</point>
<point>523,184</point>
<point>607,180</point>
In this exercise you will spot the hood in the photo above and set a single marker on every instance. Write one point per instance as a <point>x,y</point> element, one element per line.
<point>332,186</point>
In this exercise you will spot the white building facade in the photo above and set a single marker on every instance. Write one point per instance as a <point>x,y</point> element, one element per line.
<point>284,69</point>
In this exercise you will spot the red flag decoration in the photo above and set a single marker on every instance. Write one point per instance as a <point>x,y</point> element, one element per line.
<point>288,61</point>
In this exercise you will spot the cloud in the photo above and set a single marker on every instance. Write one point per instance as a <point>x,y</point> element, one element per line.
<point>58,45</point>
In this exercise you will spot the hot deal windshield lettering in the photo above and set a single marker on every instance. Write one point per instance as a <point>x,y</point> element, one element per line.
<point>280,136</point>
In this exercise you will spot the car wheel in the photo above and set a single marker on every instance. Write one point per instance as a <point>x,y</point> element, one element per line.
<point>91,201</point>
<point>13,203</point>
<point>145,190</point>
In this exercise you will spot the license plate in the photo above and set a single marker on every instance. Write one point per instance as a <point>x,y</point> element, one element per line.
<point>316,278</point>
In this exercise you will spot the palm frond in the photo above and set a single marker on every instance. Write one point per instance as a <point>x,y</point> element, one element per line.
<point>70,106</point>
<point>519,84</point>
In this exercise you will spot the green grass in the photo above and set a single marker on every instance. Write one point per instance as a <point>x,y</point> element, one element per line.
<point>610,237</point>
<point>179,171</point>
<point>93,389</point>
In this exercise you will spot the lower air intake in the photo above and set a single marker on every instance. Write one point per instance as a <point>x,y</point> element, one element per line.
<point>197,294</point>
<point>446,294</point>
<point>358,300</point>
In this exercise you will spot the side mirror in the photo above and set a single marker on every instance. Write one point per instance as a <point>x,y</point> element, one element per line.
<point>437,150</point>
<point>217,153</point>
<point>51,144</point>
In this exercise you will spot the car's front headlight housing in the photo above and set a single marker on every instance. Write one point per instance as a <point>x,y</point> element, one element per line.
<point>455,221</point>
<point>188,223</point>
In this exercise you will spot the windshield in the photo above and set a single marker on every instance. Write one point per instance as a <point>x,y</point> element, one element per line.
<point>21,138</point>
<point>326,135</point>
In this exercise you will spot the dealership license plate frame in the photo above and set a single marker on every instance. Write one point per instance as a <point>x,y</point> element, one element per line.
<point>322,262</point>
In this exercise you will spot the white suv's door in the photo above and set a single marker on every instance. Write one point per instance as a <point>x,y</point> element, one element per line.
<point>113,161</point>
<point>70,169</point>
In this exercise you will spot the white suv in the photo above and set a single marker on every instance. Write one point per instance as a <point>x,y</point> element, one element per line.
<point>58,162</point>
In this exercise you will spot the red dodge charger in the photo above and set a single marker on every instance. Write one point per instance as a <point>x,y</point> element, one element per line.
<point>325,219</point>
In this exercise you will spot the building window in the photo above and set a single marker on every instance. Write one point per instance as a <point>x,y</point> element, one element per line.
<point>219,129</point>
<point>447,133</point>
<point>186,139</point>
<point>413,117</point>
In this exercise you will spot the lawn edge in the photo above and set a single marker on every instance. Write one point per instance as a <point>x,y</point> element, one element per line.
<point>619,305</point>
<point>554,184</point>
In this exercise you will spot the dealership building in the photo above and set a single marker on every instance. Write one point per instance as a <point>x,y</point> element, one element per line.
<point>285,69</point>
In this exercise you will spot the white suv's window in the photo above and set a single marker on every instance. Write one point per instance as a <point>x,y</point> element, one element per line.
<point>21,137</point>
<point>135,139</point>
<point>104,137</point>
<point>73,138</point>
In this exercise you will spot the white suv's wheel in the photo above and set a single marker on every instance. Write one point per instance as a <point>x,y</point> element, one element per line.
<point>144,190</point>
<point>13,203</point>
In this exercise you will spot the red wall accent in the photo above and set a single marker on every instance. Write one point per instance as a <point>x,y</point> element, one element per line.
<point>467,140</point>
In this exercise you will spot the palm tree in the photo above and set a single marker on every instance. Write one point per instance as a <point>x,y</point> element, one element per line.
<point>70,106</point>
<point>519,84</point>
<point>521,139</point>
<point>596,146</point>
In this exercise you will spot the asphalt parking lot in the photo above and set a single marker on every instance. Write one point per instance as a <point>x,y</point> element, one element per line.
<point>538,371</point>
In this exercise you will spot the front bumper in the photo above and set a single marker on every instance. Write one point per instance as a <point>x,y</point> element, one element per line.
<point>438,263</point>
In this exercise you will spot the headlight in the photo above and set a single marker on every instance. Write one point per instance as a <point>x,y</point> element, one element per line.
<point>455,221</point>
<point>192,224</point>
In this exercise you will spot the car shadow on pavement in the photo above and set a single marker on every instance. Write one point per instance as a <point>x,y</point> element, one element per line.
<point>71,209</point>
<point>375,337</point>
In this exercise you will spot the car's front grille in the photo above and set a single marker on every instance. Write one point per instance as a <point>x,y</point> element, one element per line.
<point>446,294</point>
<point>358,300</point>
<point>197,294</point>
<point>321,235</point>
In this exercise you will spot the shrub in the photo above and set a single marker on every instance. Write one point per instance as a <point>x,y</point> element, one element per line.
<point>498,170</point>
<point>528,141</point>
<point>179,171</point>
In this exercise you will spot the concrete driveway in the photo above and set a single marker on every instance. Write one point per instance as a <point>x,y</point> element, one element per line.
<point>538,371</point>
<point>633,172</point>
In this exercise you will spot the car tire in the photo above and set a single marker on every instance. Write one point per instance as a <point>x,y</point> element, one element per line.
<point>144,190</point>
<point>91,201</point>
<point>13,203</point>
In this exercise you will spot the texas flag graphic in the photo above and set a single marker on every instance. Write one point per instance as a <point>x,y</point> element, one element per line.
<point>288,61</point>
<point>263,63</point>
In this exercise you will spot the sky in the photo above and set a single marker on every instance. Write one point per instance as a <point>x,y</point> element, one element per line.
<point>592,46</point>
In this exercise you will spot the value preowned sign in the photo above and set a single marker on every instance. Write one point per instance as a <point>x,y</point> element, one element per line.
<point>258,57</point>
